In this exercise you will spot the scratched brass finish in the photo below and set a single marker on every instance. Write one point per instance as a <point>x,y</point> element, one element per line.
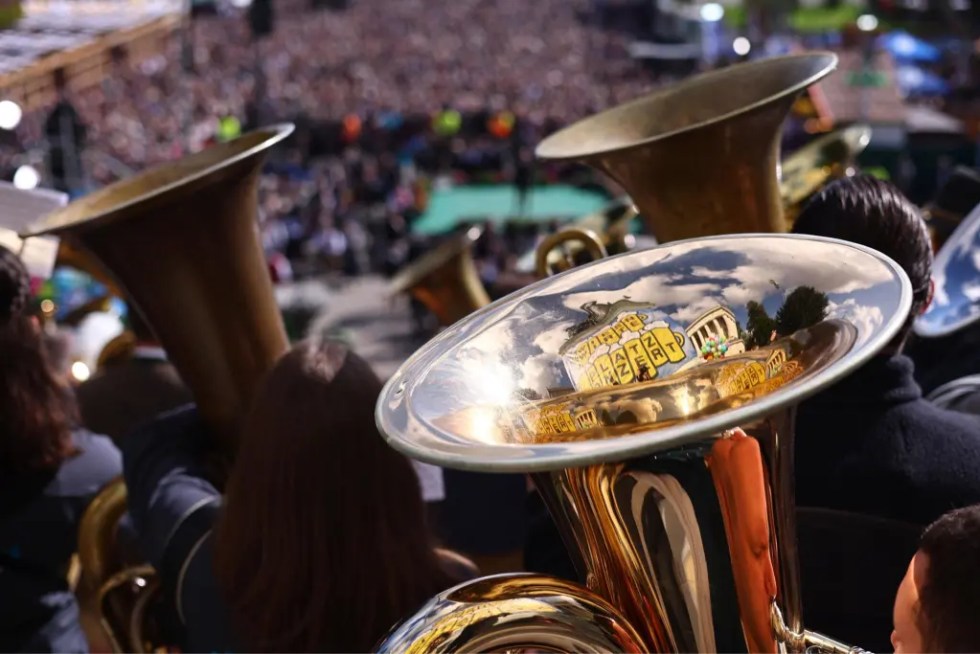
<point>182,241</point>
<point>818,163</point>
<point>446,280</point>
<point>651,396</point>
<point>699,157</point>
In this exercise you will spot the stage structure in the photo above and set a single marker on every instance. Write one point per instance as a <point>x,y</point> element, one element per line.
<point>82,38</point>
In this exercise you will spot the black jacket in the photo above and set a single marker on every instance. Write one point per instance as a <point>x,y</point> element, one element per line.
<point>871,444</point>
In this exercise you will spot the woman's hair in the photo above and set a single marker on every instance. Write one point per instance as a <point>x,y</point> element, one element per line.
<point>37,411</point>
<point>950,594</point>
<point>322,544</point>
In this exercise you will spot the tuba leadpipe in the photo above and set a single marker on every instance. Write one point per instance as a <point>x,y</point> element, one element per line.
<point>690,154</point>
<point>617,386</point>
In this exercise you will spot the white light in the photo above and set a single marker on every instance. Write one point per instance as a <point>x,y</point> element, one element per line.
<point>867,23</point>
<point>10,114</point>
<point>712,12</point>
<point>27,178</point>
<point>241,4</point>
<point>80,371</point>
<point>741,46</point>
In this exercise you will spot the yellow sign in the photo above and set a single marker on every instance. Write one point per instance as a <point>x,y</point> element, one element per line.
<point>631,346</point>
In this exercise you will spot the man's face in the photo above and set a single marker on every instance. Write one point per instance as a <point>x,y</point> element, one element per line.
<point>907,637</point>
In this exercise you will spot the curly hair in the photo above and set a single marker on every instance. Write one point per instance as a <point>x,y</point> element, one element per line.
<point>37,412</point>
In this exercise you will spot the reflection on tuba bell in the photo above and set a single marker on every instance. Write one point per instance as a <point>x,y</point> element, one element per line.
<point>689,154</point>
<point>181,240</point>
<point>446,280</point>
<point>819,162</point>
<point>617,384</point>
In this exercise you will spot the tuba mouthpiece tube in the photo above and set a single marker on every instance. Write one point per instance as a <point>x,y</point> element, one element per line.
<point>808,641</point>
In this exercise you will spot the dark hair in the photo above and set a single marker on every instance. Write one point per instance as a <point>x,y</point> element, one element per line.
<point>872,212</point>
<point>37,412</point>
<point>950,595</point>
<point>322,544</point>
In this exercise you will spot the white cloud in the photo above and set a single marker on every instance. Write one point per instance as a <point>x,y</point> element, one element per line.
<point>867,318</point>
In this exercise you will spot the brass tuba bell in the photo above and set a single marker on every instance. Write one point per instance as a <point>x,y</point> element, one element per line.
<point>699,157</point>
<point>445,280</point>
<point>819,162</point>
<point>616,384</point>
<point>181,241</point>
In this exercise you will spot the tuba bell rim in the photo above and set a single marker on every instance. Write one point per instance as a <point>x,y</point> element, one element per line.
<point>404,431</point>
<point>434,259</point>
<point>556,148</point>
<point>965,235</point>
<point>85,213</point>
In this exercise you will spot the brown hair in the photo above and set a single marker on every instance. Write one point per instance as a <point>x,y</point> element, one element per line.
<point>37,411</point>
<point>950,593</point>
<point>322,545</point>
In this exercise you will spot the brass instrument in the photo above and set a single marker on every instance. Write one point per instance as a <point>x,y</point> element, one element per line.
<point>955,274</point>
<point>699,157</point>
<point>819,162</point>
<point>446,280</point>
<point>586,239</point>
<point>954,202</point>
<point>181,240</point>
<point>617,385</point>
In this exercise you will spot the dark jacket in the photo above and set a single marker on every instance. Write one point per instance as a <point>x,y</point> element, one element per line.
<point>871,444</point>
<point>39,519</point>
<point>126,394</point>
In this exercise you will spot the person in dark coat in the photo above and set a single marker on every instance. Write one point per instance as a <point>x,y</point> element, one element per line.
<point>133,388</point>
<point>321,532</point>
<point>871,444</point>
<point>50,472</point>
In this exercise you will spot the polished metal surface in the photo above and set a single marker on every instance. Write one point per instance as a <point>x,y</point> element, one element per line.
<point>618,384</point>
<point>508,613</point>
<point>445,280</point>
<point>182,241</point>
<point>568,244</point>
<point>813,166</point>
<point>956,275</point>
<point>699,157</point>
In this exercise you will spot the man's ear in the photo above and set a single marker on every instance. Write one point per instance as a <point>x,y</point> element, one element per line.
<point>932,291</point>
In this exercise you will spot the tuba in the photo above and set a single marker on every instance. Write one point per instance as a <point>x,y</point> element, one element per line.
<point>618,386</point>
<point>819,162</point>
<point>699,157</point>
<point>955,200</point>
<point>181,241</point>
<point>445,280</point>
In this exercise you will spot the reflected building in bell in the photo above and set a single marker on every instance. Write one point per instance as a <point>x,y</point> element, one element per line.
<point>718,323</point>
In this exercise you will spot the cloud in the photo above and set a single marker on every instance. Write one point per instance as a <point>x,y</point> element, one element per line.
<point>867,318</point>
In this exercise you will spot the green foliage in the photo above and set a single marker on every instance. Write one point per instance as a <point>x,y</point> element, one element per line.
<point>804,307</point>
<point>760,325</point>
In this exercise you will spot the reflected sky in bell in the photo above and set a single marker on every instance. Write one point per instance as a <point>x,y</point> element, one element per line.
<point>494,357</point>
<point>956,272</point>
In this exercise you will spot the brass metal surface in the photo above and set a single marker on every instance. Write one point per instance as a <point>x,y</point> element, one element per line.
<point>182,241</point>
<point>819,162</point>
<point>445,280</point>
<point>699,157</point>
<point>586,240</point>
<point>651,396</point>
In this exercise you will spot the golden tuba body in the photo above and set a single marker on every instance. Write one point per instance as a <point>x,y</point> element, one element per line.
<point>699,157</point>
<point>181,243</point>
<point>617,385</point>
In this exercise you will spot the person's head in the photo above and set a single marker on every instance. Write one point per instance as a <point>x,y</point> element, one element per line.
<point>37,411</point>
<point>935,608</point>
<point>323,543</point>
<point>874,213</point>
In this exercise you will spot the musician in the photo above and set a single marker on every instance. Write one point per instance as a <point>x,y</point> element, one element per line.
<point>935,608</point>
<point>50,470</point>
<point>130,390</point>
<point>871,444</point>
<point>321,542</point>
